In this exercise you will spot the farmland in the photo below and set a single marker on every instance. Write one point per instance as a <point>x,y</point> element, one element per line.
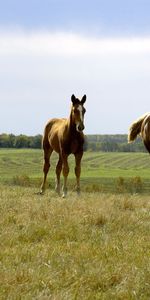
<point>104,172</point>
<point>96,246</point>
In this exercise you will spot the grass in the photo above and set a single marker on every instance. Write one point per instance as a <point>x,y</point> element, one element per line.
<point>93,247</point>
<point>96,246</point>
<point>100,171</point>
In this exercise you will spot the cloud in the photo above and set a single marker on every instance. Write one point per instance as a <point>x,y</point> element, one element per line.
<point>59,43</point>
<point>40,70</point>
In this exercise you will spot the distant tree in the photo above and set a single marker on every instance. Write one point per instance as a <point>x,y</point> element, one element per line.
<point>91,146</point>
<point>4,140</point>
<point>36,141</point>
<point>22,141</point>
<point>12,140</point>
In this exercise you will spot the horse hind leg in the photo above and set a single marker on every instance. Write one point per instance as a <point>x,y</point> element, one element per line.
<point>47,153</point>
<point>58,172</point>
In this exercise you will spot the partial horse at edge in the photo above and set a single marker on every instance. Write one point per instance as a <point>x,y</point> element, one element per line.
<point>141,127</point>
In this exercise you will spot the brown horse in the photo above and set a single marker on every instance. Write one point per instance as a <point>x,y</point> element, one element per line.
<point>65,136</point>
<point>142,127</point>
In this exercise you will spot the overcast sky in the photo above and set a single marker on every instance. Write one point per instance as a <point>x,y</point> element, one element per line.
<point>51,49</point>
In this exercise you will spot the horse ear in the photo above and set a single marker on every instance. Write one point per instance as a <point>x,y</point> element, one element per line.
<point>73,99</point>
<point>83,99</point>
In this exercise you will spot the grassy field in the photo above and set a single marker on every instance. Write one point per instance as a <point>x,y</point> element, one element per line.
<point>105,172</point>
<point>96,246</point>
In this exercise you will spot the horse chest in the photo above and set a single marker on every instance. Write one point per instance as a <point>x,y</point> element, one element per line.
<point>73,145</point>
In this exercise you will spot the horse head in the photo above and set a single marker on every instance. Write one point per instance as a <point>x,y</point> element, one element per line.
<point>78,112</point>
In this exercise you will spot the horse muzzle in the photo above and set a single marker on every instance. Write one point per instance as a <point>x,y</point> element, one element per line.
<point>80,127</point>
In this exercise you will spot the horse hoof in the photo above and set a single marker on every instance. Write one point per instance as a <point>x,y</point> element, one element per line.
<point>78,191</point>
<point>63,196</point>
<point>41,193</point>
<point>57,191</point>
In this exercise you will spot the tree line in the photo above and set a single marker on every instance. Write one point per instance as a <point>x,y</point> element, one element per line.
<point>114,143</point>
<point>106,143</point>
<point>20,141</point>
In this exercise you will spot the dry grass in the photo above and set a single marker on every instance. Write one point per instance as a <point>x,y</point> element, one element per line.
<point>93,247</point>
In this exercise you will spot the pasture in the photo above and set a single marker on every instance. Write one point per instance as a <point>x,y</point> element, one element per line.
<point>93,247</point>
<point>96,246</point>
<point>101,171</point>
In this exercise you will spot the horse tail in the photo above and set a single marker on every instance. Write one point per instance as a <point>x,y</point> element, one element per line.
<point>135,129</point>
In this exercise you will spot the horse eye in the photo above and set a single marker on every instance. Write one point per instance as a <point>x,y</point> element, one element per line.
<point>84,111</point>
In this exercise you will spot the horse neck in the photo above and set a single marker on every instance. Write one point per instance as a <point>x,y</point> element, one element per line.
<point>71,125</point>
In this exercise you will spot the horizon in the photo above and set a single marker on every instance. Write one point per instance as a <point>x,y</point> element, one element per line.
<point>94,134</point>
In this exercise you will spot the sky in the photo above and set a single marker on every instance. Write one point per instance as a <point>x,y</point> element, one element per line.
<point>51,49</point>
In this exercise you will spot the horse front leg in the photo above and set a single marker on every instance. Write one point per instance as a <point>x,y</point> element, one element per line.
<point>65,174</point>
<point>58,172</point>
<point>78,157</point>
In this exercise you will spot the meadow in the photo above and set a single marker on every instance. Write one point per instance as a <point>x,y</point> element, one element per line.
<point>96,246</point>
<point>101,171</point>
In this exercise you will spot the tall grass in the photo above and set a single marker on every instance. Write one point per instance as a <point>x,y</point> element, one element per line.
<point>96,246</point>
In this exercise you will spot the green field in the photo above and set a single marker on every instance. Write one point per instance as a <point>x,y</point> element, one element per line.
<point>100,171</point>
<point>96,246</point>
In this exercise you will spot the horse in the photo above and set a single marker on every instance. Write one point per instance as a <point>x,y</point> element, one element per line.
<point>65,137</point>
<point>141,127</point>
